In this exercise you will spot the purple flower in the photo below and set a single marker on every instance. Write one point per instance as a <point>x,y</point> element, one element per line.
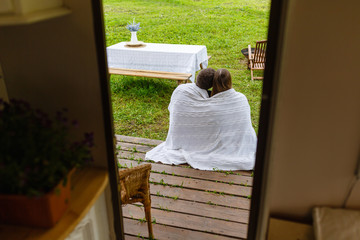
<point>45,148</point>
<point>58,115</point>
<point>89,139</point>
<point>89,159</point>
<point>20,103</point>
<point>75,123</point>
<point>48,123</point>
<point>22,182</point>
<point>40,113</point>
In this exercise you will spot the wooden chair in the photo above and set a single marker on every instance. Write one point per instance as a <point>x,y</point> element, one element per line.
<point>134,187</point>
<point>257,60</point>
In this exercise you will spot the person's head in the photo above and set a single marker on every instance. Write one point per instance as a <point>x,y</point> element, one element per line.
<point>205,78</point>
<point>222,81</point>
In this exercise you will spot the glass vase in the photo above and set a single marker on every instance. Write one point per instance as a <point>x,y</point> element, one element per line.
<point>133,37</point>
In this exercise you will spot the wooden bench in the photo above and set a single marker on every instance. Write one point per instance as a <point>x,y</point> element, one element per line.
<point>179,77</point>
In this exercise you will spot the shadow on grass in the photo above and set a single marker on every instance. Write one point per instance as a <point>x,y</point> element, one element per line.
<point>141,87</point>
<point>140,105</point>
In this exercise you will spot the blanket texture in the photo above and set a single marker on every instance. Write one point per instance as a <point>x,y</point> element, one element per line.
<point>208,133</point>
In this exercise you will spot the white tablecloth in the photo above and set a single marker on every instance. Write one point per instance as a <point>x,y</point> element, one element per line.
<point>159,57</point>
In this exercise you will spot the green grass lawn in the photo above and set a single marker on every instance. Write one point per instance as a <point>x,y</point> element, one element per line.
<point>225,27</point>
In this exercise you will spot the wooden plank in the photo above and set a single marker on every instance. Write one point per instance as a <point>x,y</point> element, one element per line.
<point>200,209</point>
<point>152,142</point>
<point>193,173</point>
<point>88,184</point>
<point>198,196</point>
<point>145,141</point>
<point>135,228</point>
<point>191,222</point>
<point>133,147</point>
<point>137,155</point>
<point>199,184</point>
<point>150,74</point>
<point>193,202</point>
<point>129,237</point>
<point>147,71</point>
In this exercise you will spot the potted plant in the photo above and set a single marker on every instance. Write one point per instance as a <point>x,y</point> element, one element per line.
<point>133,28</point>
<point>37,157</point>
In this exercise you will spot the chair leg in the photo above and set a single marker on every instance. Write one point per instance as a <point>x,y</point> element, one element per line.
<point>250,67</point>
<point>147,207</point>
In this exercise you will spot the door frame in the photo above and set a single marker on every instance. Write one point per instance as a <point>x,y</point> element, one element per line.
<point>267,111</point>
<point>258,215</point>
<point>100,45</point>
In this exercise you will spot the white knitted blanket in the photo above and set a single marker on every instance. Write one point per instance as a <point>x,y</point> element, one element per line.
<point>208,133</point>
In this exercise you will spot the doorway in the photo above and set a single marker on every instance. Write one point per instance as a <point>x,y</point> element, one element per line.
<point>122,84</point>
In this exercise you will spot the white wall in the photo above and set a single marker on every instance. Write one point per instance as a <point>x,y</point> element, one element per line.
<point>316,131</point>
<point>53,64</point>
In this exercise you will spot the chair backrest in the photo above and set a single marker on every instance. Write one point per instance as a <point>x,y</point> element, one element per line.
<point>134,181</point>
<point>259,53</point>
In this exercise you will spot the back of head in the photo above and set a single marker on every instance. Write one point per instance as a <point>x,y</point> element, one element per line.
<point>205,78</point>
<point>222,81</point>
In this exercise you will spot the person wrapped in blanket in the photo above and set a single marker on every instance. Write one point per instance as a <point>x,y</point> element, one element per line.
<point>208,133</point>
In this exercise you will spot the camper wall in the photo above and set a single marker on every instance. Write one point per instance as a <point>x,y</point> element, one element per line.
<point>316,129</point>
<point>53,65</point>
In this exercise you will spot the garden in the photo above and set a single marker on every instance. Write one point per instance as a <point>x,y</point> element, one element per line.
<point>224,27</point>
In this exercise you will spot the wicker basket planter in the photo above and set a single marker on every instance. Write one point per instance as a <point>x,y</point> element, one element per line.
<point>44,211</point>
<point>37,156</point>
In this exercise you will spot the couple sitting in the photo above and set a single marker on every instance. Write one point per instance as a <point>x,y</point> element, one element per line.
<point>208,132</point>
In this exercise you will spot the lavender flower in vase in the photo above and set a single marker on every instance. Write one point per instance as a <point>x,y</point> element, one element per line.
<point>133,28</point>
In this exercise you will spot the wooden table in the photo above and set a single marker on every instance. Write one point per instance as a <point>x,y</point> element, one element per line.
<point>170,61</point>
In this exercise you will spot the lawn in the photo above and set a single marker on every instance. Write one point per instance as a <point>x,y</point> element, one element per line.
<point>225,27</point>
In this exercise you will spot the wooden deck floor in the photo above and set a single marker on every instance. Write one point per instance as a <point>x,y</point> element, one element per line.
<point>187,203</point>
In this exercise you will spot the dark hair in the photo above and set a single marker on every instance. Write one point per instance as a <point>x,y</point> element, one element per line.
<point>222,81</point>
<point>205,78</point>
